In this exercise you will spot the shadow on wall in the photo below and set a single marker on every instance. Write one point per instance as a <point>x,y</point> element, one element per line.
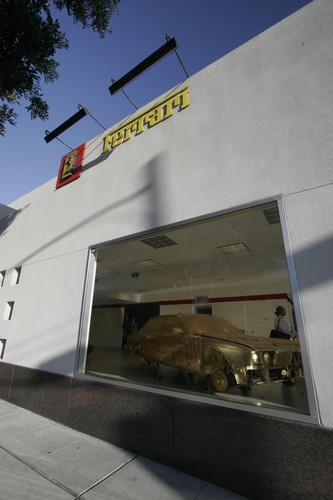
<point>151,188</point>
<point>157,195</point>
<point>316,260</point>
<point>7,217</point>
<point>51,349</point>
<point>97,161</point>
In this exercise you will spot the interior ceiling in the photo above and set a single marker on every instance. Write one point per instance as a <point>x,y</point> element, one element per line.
<point>195,260</point>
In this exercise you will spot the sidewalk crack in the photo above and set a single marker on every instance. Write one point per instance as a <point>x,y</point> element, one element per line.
<point>78,497</point>
<point>45,476</point>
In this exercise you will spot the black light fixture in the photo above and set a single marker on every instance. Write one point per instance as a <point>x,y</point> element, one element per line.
<point>67,124</point>
<point>147,63</point>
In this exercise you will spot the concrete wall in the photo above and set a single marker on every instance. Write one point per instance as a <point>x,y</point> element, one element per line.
<point>259,125</point>
<point>43,331</point>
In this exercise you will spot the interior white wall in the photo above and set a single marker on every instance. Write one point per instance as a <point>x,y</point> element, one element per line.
<point>255,317</point>
<point>259,125</point>
<point>175,309</point>
<point>231,290</point>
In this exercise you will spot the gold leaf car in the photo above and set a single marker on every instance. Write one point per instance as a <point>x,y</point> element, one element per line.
<point>211,346</point>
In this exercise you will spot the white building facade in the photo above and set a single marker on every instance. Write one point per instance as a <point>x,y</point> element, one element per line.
<point>249,136</point>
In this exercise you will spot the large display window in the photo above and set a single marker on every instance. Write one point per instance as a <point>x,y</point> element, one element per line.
<point>203,309</point>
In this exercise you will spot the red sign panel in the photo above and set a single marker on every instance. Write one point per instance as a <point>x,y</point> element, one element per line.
<point>71,166</point>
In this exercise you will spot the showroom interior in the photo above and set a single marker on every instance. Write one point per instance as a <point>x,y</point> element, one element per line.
<point>232,265</point>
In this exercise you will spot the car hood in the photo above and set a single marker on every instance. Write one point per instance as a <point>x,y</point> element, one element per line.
<point>221,330</point>
<point>256,343</point>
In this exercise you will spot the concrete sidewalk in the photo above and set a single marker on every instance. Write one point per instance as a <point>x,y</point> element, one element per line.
<point>40,459</point>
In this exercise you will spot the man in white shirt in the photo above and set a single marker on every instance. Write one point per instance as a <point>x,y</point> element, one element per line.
<point>280,323</point>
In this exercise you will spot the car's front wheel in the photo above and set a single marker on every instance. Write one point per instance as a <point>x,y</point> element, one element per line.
<point>136,348</point>
<point>219,380</point>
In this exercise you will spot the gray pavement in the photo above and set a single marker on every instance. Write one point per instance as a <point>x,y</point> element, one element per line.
<point>40,459</point>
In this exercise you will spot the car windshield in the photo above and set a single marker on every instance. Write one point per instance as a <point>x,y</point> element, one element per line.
<point>210,325</point>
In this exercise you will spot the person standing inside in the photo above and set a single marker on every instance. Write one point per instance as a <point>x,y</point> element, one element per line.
<point>280,323</point>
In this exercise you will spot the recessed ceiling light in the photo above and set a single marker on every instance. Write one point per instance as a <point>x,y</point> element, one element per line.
<point>161,241</point>
<point>147,263</point>
<point>235,248</point>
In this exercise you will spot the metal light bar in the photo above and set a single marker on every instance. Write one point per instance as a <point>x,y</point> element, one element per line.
<point>156,56</point>
<point>67,124</point>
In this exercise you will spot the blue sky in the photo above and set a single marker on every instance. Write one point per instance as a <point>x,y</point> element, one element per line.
<point>205,31</point>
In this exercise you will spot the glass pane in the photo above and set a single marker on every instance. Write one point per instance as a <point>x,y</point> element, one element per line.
<point>147,327</point>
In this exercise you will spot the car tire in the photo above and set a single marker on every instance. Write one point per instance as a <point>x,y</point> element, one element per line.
<point>143,361</point>
<point>137,351</point>
<point>136,348</point>
<point>219,380</point>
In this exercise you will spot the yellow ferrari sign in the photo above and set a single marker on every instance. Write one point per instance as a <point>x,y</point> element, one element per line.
<point>154,115</point>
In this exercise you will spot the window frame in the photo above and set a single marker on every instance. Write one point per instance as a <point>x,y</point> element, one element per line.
<point>312,417</point>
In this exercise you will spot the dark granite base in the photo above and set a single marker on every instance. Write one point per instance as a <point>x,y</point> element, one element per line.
<point>256,456</point>
<point>41,392</point>
<point>133,420</point>
<point>6,375</point>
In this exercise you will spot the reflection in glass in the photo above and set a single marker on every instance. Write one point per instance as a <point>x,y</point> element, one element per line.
<point>232,270</point>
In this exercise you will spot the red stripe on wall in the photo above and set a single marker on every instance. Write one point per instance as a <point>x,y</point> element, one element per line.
<point>240,298</point>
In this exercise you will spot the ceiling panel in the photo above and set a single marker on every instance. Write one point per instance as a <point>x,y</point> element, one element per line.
<point>195,259</point>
